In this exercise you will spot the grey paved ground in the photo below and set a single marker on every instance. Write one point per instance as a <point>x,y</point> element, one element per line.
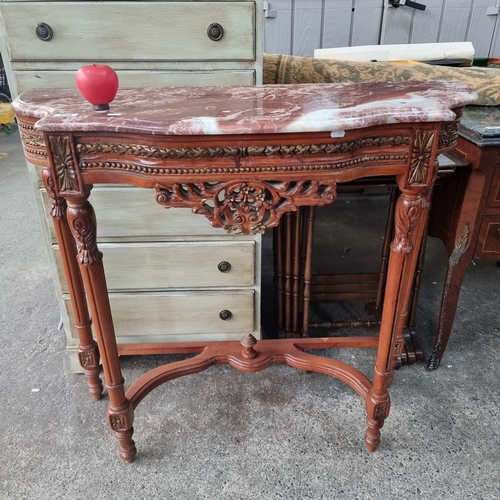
<point>226,435</point>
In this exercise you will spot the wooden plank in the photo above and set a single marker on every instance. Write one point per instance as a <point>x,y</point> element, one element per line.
<point>425,28</point>
<point>306,27</point>
<point>396,24</point>
<point>130,79</point>
<point>481,28</point>
<point>336,23</point>
<point>278,30</point>
<point>418,52</point>
<point>367,20</point>
<point>185,39</point>
<point>168,265</point>
<point>141,314</point>
<point>455,20</point>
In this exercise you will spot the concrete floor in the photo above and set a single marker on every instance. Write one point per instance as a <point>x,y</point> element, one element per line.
<point>222,434</point>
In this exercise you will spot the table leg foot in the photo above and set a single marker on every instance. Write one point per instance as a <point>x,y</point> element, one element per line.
<point>128,451</point>
<point>377,410</point>
<point>434,359</point>
<point>372,434</point>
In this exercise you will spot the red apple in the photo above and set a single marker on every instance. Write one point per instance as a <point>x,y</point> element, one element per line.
<point>98,84</point>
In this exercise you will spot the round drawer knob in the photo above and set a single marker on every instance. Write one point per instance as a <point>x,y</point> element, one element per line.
<point>215,32</point>
<point>225,315</point>
<point>224,267</point>
<point>44,32</point>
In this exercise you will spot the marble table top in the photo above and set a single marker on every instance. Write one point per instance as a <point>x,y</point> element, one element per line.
<point>481,125</point>
<point>252,109</point>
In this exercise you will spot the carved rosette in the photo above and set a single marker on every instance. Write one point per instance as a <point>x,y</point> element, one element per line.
<point>421,156</point>
<point>405,222</point>
<point>87,359</point>
<point>381,411</point>
<point>83,227</point>
<point>64,164</point>
<point>117,422</point>
<point>246,207</point>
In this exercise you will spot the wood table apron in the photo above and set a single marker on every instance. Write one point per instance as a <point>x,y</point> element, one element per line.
<point>243,182</point>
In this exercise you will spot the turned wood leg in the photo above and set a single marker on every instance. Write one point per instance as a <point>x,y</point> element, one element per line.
<point>120,411</point>
<point>278,275</point>
<point>288,274</point>
<point>88,353</point>
<point>297,218</point>
<point>457,266</point>
<point>306,295</point>
<point>409,226</point>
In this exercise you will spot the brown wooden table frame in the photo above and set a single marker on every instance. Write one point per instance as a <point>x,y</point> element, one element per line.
<point>246,186</point>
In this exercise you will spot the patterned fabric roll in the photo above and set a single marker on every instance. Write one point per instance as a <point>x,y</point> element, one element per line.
<point>292,69</point>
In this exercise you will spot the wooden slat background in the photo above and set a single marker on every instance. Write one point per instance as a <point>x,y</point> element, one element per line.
<point>304,25</point>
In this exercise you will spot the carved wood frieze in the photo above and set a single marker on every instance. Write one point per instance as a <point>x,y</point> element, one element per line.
<point>144,169</point>
<point>421,156</point>
<point>246,207</point>
<point>33,143</point>
<point>64,164</point>
<point>176,153</point>
<point>448,133</point>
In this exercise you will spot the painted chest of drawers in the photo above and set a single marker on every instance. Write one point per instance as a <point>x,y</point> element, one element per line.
<point>214,280</point>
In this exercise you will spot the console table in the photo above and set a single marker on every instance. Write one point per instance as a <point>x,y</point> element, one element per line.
<point>242,157</point>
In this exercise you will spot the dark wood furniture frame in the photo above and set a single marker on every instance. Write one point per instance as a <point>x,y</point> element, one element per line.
<point>466,217</point>
<point>297,286</point>
<point>239,192</point>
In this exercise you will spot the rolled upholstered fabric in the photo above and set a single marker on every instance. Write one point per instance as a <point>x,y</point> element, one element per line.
<point>280,68</point>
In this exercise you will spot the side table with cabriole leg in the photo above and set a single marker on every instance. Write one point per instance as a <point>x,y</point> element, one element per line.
<point>243,157</point>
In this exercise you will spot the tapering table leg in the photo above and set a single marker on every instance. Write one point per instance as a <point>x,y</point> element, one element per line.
<point>458,262</point>
<point>82,223</point>
<point>409,225</point>
<point>88,353</point>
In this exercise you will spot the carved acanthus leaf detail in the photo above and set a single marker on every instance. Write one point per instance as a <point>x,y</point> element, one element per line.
<point>406,219</point>
<point>82,223</point>
<point>246,207</point>
<point>458,251</point>
<point>64,164</point>
<point>58,204</point>
<point>460,246</point>
<point>421,155</point>
<point>86,242</point>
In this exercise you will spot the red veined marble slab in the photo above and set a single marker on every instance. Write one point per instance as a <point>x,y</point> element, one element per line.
<point>248,109</point>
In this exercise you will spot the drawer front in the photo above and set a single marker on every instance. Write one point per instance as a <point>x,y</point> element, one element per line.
<point>488,243</point>
<point>146,31</point>
<point>130,79</point>
<point>162,266</point>
<point>132,213</point>
<point>137,315</point>
<point>494,194</point>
